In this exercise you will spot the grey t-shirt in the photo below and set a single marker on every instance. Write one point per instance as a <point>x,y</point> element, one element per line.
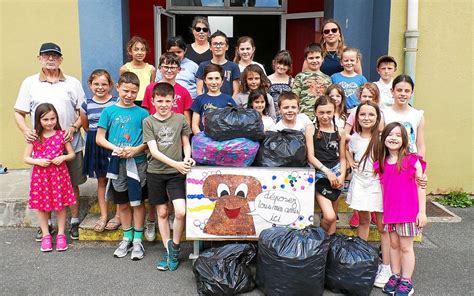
<point>167,134</point>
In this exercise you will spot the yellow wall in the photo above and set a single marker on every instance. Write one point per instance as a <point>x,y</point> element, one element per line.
<point>443,87</point>
<point>24,26</point>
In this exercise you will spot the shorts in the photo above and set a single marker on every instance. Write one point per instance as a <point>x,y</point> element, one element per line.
<point>75,169</point>
<point>120,184</point>
<point>324,188</point>
<point>160,186</point>
<point>403,229</point>
<point>122,197</point>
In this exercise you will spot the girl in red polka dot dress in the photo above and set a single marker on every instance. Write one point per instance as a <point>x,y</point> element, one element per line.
<point>50,188</point>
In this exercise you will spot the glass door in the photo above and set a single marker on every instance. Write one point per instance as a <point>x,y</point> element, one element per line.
<point>164,27</point>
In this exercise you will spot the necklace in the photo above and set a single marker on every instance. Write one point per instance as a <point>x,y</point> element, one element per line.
<point>332,54</point>
<point>326,140</point>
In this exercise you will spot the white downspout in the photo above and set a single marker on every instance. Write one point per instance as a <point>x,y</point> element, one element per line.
<point>411,39</point>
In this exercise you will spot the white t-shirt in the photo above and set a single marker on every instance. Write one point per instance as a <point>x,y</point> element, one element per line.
<point>386,99</point>
<point>268,122</point>
<point>302,120</point>
<point>66,95</point>
<point>411,120</point>
<point>358,146</point>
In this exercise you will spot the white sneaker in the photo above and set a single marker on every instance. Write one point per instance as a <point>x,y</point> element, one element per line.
<point>150,231</point>
<point>383,276</point>
<point>123,249</point>
<point>138,251</point>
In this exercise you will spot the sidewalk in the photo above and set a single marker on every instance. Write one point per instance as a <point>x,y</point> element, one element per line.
<point>15,186</point>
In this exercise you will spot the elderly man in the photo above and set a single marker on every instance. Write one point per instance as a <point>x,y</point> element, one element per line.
<point>50,85</point>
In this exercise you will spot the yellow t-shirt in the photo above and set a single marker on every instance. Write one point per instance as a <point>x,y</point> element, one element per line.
<point>144,75</point>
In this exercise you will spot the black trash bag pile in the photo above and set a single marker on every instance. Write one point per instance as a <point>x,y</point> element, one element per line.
<point>351,266</point>
<point>225,270</point>
<point>286,148</point>
<point>233,122</point>
<point>292,261</point>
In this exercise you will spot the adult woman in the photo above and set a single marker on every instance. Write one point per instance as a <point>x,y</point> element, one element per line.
<point>199,51</point>
<point>332,43</point>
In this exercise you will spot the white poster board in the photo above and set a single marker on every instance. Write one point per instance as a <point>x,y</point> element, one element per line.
<point>224,203</point>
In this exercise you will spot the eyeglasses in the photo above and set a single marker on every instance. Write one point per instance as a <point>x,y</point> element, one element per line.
<point>199,29</point>
<point>333,30</point>
<point>218,44</point>
<point>169,68</point>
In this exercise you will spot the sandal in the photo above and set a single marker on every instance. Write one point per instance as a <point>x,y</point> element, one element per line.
<point>113,223</point>
<point>99,225</point>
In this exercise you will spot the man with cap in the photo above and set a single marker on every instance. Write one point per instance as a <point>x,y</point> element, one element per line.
<point>386,68</point>
<point>50,85</point>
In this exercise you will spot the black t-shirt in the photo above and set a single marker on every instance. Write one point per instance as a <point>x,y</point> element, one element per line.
<point>331,64</point>
<point>326,148</point>
<point>198,57</point>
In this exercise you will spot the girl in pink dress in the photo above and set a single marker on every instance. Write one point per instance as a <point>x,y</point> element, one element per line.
<point>50,188</point>
<point>404,204</point>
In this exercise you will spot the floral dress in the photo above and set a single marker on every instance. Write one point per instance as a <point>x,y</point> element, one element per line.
<point>50,188</point>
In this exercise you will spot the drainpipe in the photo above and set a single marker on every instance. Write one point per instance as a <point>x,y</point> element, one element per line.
<point>411,39</point>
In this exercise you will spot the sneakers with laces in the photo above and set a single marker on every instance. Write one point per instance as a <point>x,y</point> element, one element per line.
<point>138,251</point>
<point>150,230</point>
<point>39,233</point>
<point>382,277</point>
<point>163,264</point>
<point>173,255</point>
<point>47,243</point>
<point>124,247</point>
<point>391,286</point>
<point>404,288</point>
<point>61,243</point>
<point>74,231</point>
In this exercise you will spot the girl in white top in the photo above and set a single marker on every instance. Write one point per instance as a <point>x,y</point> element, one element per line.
<point>336,92</point>
<point>244,53</point>
<point>365,192</point>
<point>401,111</point>
<point>289,105</point>
<point>257,102</point>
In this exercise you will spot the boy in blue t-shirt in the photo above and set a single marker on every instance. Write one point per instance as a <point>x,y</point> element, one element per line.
<point>348,79</point>
<point>120,130</point>
<point>213,99</point>
<point>231,77</point>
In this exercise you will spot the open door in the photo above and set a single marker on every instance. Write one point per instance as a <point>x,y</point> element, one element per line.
<point>308,28</point>
<point>164,27</point>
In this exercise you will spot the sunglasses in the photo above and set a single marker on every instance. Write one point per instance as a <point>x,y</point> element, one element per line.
<point>333,30</point>
<point>199,29</point>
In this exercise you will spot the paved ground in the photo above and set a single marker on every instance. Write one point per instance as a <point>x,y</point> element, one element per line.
<point>444,266</point>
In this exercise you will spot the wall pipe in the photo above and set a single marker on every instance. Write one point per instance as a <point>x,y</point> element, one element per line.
<point>411,39</point>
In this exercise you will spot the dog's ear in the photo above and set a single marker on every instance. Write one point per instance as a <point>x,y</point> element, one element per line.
<point>209,188</point>
<point>255,187</point>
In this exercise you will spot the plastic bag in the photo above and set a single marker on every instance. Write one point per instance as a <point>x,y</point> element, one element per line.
<point>292,261</point>
<point>286,148</point>
<point>232,122</point>
<point>351,266</point>
<point>225,270</point>
<point>238,152</point>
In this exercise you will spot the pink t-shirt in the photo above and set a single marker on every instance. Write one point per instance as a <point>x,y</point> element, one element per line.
<point>182,99</point>
<point>400,191</point>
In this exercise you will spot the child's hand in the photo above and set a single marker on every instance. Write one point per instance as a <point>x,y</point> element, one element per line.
<point>58,160</point>
<point>43,162</point>
<point>190,161</point>
<point>117,151</point>
<point>421,220</point>
<point>422,181</point>
<point>340,181</point>
<point>182,167</point>
<point>333,179</point>
<point>354,164</point>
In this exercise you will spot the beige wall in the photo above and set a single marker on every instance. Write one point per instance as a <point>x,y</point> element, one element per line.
<point>24,26</point>
<point>443,87</point>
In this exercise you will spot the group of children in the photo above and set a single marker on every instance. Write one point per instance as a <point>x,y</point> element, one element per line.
<point>138,153</point>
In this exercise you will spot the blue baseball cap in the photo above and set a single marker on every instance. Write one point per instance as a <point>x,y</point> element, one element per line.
<point>50,47</point>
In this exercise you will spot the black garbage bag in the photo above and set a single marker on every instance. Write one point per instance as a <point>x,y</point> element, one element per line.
<point>286,148</point>
<point>351,266</point>
<point>292,261</point>
<point>232,122</point>
<point>224,270</point>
